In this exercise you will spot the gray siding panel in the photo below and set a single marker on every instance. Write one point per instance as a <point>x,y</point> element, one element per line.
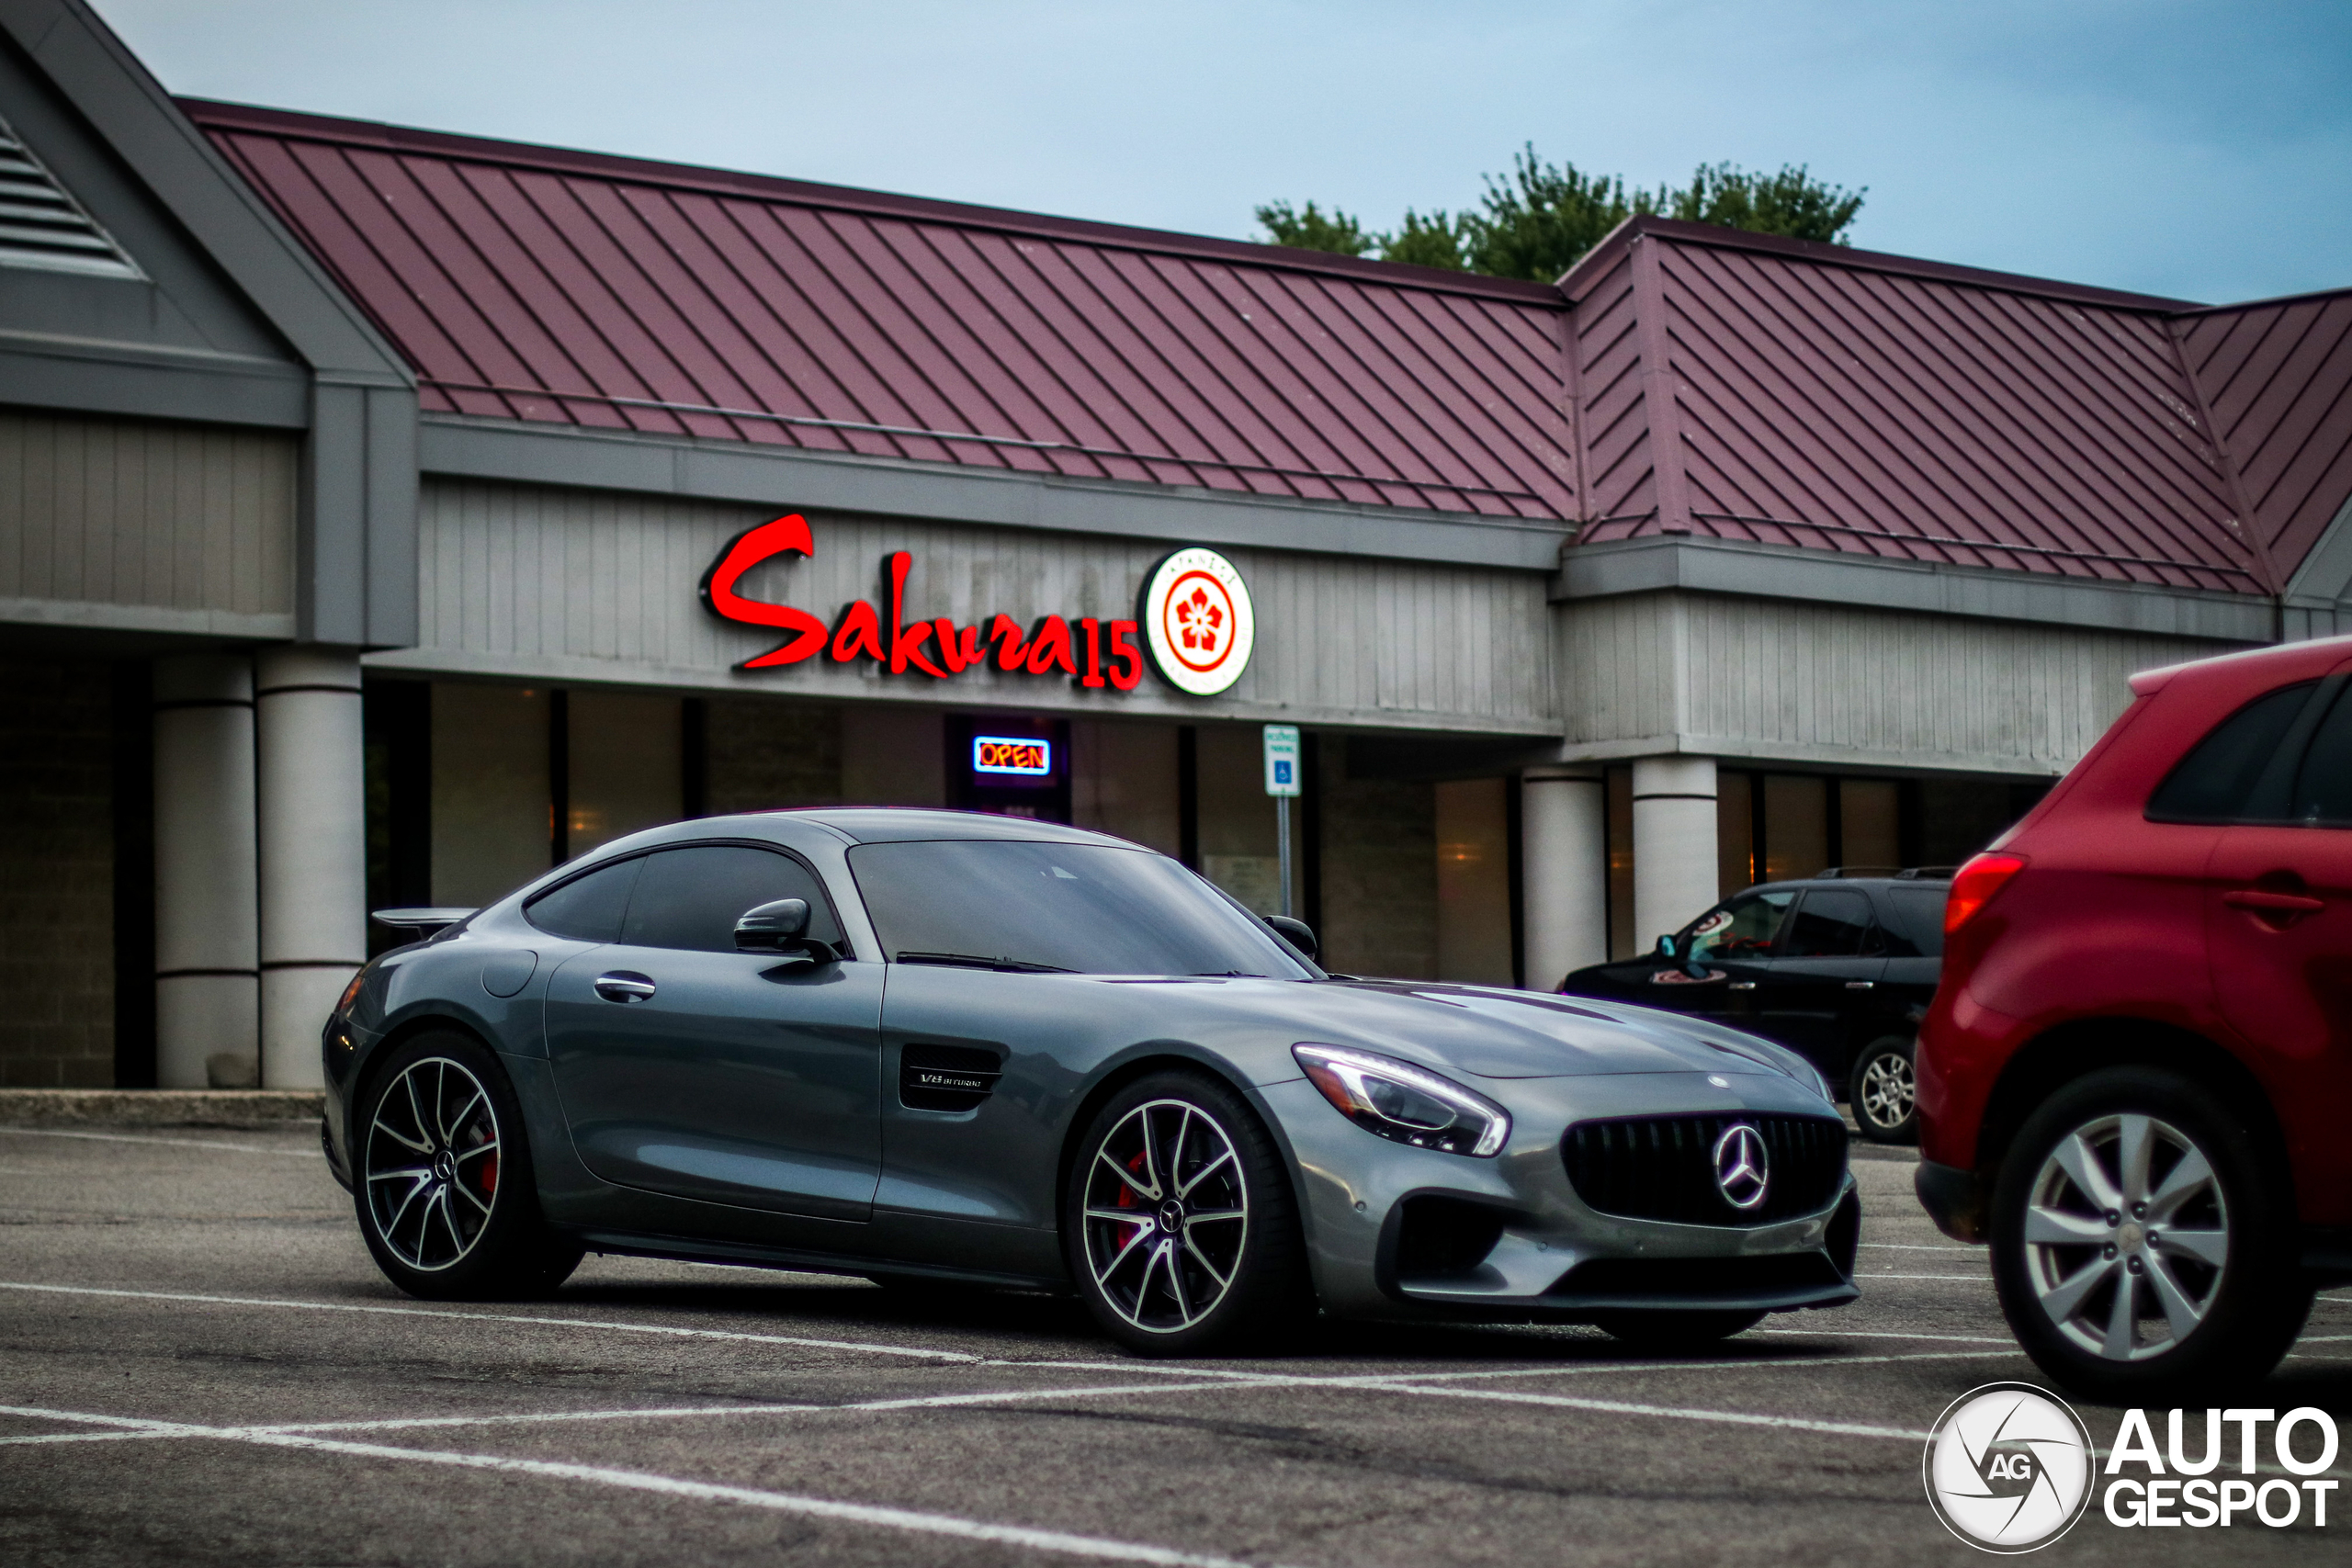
<point>549,583</point>
<point>1750,678</point>
<point>126,513</point>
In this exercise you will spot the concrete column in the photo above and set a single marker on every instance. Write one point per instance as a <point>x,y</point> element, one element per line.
<point>312,798</point>
<point>1674,844</point>
<point>1563,872</point>
<point>207,1001</point>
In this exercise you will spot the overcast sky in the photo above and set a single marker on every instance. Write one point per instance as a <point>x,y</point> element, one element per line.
<point>2197,150</point>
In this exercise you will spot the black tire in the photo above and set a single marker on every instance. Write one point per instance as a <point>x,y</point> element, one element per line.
<point>442,1177</point>
<point>1150,1277</point>
<point>2217,1326</point>
<point>1674,1330</point>
<point>1882,1092</point>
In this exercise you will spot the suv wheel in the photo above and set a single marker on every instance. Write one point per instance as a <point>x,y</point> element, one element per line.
<point>1883,1092</point>
<point>443,1185</point>
<point>1184,1234</point>
<point>2139,1245</point>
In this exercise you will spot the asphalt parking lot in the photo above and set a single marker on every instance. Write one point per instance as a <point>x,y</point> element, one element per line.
<point>201,1365</point>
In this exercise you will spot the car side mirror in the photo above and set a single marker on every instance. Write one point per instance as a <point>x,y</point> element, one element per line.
<point>782,927</point>
<point>1664,947</point>
<point>1298,933</point>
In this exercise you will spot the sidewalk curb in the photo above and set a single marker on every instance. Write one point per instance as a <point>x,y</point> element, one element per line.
<point>241,1108</point>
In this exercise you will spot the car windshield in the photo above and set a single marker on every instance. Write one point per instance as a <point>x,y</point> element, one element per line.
<point>1080,908</point>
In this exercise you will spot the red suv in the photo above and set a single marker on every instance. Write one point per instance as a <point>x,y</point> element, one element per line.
<point>2136,1079</point>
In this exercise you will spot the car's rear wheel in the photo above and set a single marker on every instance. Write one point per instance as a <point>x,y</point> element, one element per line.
<point>445,1190</point>
<point>2139,1245</point>
<point>1884,1092</point>
<point>1183,1232</point>
<point>1676,1330</point>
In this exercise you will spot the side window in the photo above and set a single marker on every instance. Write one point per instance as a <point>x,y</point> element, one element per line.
<point>1919,913</point>
<point>2323,796</point>
<point>1830,923</point>
<point>590,907</point>
<point>692,898</point>
<point>2219,780</point>
<point>1742,929</point>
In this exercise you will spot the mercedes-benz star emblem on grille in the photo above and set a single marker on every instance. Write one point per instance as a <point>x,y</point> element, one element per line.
<point>1742,1172</point>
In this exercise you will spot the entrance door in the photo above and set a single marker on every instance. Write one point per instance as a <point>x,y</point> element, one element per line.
<point>1829,959</point>
<point>687,1067</point>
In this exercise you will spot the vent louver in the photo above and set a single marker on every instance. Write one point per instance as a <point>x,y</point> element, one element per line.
<point>42,226</point>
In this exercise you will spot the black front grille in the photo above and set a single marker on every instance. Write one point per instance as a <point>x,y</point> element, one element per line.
<point>1662,1167</point>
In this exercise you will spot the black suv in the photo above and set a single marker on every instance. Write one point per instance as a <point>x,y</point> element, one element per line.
<point>1840,968</point>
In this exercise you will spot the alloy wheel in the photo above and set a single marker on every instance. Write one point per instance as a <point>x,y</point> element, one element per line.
<point>2126,1236</point>
<point>1888,1090</point>
<point>431,1164</point>
<point>1166,1217</point>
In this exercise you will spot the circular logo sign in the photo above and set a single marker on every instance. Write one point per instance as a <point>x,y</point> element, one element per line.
<point>1197,622</point>
<point>1743,1172</point>
<point>2009,1468</point>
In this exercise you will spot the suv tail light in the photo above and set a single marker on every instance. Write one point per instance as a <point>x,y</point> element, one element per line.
<point>1976,885</point>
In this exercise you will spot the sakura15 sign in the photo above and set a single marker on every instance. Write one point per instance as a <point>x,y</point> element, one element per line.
<point>1195,618</point>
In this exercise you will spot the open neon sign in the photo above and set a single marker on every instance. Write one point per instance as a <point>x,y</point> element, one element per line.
<point>1021,757</point>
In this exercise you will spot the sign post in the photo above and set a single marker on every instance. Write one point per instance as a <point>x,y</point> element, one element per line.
<point>1281,782</point>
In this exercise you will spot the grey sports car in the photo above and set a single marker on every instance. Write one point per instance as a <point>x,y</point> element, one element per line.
<point>928,1045</point>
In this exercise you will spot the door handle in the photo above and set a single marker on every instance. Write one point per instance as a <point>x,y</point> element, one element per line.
<point>1743,985</point>
<point>1860,985</point>
<point>2272,903</point>
<point>623,986</point>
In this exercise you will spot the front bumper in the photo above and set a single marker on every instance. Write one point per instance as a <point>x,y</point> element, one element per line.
<point>1956,1199</point>
<point>1394,1231</point>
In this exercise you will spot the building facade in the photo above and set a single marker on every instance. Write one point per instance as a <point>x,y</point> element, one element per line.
<point>386,516</point>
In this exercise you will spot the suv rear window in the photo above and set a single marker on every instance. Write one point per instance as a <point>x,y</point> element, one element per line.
<point>1920,916</point>
<point>2218,781</point>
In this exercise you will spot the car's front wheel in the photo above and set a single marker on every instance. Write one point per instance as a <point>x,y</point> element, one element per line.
<point>2139,1245</point>
<point>1183,1232</point>
<point>1883,1093</point>
<point>445,1191</point>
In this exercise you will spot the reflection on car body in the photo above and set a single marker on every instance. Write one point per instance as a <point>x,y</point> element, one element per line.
<point>920,1043</point>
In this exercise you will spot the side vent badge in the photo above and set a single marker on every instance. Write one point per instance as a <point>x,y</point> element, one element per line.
<point>947,1077</point>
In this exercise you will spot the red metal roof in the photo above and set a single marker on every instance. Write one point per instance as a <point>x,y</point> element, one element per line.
<point>1722,384</point>
<point>533,284</point>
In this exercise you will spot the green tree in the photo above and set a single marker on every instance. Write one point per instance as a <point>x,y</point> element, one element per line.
<point>1310,230</point>
<point>1433,241</point>
<point>1538,221</point>
<point>1791,202</point>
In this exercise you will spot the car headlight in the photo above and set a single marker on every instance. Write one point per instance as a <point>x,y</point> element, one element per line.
<point>1404,1103</point>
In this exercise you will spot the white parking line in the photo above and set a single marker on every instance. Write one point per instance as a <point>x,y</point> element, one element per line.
<point>907,1519</point>
<point>168,1143</point>
<point>796,1341</point>
<point>1912,1246</point>
<point>1949,1279</point>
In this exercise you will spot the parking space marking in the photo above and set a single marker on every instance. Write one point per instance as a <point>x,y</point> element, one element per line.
<point>915,1351</point>
<point>166,1143</point>
<point>1912,1246</point>
<point>1777,1364</point>
<point>907,1519</point>
<point>1889,1333</point>
<point>1947,1278</point>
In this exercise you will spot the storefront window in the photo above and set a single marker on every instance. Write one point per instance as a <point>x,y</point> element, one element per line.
<point>490,828</point>
<point>1796,826</point>
<point>624,769</point>
<point>1474,883</point>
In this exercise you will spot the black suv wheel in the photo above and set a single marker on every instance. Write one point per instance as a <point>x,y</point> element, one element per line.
<point>1884,1092</point>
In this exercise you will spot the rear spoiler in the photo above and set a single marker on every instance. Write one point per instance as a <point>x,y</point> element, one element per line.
<point>424,922</point>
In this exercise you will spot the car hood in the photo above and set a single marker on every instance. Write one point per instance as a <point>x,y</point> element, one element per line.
<point>1490,1032</point>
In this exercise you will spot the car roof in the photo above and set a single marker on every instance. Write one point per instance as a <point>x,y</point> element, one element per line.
<point>1794,882</point>
<point>897,824</point>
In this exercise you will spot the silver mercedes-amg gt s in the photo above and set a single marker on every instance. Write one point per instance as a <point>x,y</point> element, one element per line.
<point>928,1045</point>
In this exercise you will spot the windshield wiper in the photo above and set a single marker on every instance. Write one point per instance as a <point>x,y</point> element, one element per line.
<point>1225,974</point>
<point>974,961</point>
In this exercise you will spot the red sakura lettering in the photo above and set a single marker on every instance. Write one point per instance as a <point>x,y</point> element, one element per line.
<point>782,535</point>
<point>1012,648</point>
<point>1093,651</point>
<point>906,641</point>
<point>858,634</point>
<point>958,651</point>
<point>1127,660</point>
<point>1049,648</point>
